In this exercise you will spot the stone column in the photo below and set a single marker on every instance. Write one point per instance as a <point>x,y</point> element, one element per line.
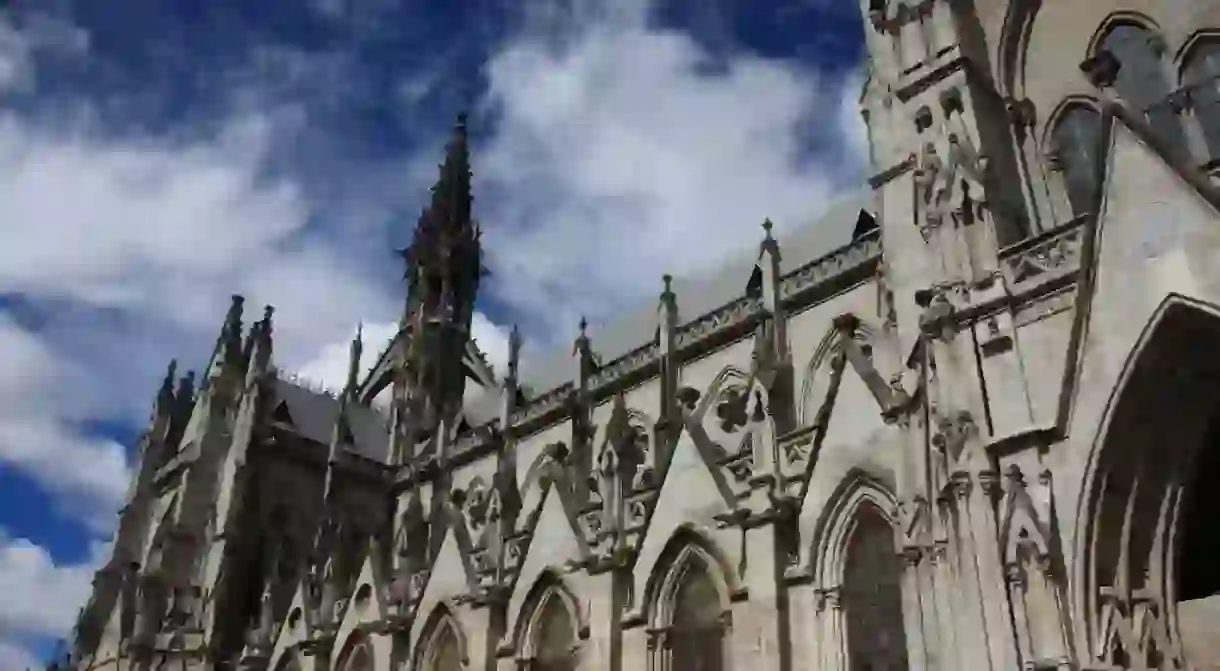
<point>803,625</point>
<point>603,649</point>
<point>756,623</point>
<point>912,610</point>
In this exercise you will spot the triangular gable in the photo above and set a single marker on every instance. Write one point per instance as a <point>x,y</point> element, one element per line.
<point>692,489</point>
<point>554,544</point>
<point>448,577</point>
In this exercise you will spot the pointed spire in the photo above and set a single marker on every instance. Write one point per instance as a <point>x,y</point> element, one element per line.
<point>353,365</point>
<point>769,244</point>
<point>581,344</point>
<point>514,352</point>
<point>165,396</point>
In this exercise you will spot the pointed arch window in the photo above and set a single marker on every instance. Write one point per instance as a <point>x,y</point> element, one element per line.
<point>1201,74</point>
<point>554,636</point>
<point>694,626</point>
<point>871,595</point>
<point>442,647</point>
<point>1076,148</point>
<point>1142,79</point>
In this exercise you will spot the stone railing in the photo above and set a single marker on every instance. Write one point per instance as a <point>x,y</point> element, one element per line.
<point>631,362</point>
<point>863,250</point>
<point>542,405</point>
<point>718,320</point>
<point>1043,258</point>
<point>795,286</point>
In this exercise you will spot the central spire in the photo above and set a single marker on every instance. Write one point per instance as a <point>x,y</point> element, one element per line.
<point>444,265</point>
<point>444,261</point>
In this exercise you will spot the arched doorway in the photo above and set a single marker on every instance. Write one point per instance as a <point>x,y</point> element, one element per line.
<point>1151,529</point>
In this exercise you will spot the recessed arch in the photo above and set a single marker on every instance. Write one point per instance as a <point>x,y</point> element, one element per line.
<point>356,654</point>
<point>1074,140</point>
<point>1198,65</point>
<point>857,568</point>
<point>1160,425</point>
<point>689,606</point>
<point>1116,20</point>
<point>1142,79</point>
<point>550,626</point>
<point>442,645</point>
<point>687,543</point>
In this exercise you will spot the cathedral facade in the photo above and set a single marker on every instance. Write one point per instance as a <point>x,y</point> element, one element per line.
<point>966,422</point>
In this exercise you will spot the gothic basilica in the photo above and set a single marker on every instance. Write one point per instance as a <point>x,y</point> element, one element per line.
<point>968,421</point>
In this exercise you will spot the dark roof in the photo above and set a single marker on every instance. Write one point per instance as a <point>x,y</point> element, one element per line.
<point>312,414</point>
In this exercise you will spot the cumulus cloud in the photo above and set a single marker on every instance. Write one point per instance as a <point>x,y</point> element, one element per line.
<point>622,154</point>
<point>41,598</point>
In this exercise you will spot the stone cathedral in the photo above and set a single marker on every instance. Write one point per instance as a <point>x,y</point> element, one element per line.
<point>967,421</point>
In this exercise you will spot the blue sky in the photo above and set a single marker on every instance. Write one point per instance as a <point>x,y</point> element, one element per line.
<point>157,159</point>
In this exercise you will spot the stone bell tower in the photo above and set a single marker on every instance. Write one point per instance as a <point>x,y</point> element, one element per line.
<point>949,199</point>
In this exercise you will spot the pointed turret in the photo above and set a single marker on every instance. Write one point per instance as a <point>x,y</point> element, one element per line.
<point>353,364</point>
<point>259,347</point>
<point>229,344</point>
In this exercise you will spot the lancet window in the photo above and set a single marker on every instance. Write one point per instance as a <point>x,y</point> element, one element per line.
<point>871,595</point>
<point>551,644</point>
<point>1201,76</point>
<point>1076,146</point>
<point>694,637</point>
<point>442,648</point>
<point>1142,79</point>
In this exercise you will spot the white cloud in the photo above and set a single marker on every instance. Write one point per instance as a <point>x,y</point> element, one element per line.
<point>41,599</point>
<point>618,158</point>
<point>139,245</point>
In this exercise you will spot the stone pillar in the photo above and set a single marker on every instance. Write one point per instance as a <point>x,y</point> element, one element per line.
<point>938,580</point>
<point>803,625</point>
<point>603,649</point>
<point>756,623</point>
<point>981,591</point>
<point>912,611</point>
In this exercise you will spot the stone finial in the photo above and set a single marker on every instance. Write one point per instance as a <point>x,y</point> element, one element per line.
<point>167,384</point>
<point>514,352</point>
<point>582,340</point>
<point>353,362</point>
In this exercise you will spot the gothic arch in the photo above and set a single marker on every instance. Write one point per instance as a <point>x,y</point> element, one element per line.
<point>356,654</point>
<point>1116,20</point>
<point>549,602</point>
<point>1142,79</point>
<point>1074,138</point>
<point>1136,491</point>
<point>1014,40</point>
<point>834,529</point>
<point>859,575</point>
<point>685,545</point>
<point>442,643</point>
<point>689,606</point>
<point>1198,62</point>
